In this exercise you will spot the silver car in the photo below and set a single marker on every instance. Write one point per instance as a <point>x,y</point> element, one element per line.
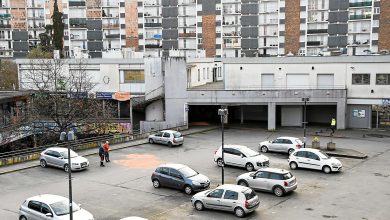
<point>51,207</point>
<point>238,199</point>
<point>274,180</point>
<point>168,137</point>
<point>281,144</point>
<point>58,157</point>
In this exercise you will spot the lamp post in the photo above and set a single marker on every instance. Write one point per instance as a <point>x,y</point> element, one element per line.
<point>69,136</point>
<point>306,99</point>
<point>223,113</point>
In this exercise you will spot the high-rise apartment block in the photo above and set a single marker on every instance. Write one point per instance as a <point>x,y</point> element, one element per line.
<point>197,28</point>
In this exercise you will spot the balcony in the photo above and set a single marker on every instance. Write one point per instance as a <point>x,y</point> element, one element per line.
<point>232,34</point>
<point>315,43</point>
<point>187,34</point>
<point>78,22</point>
<point>152,24</point>
<point>76,3</point>
<point>360,4</point>
<point>5,26</point>
<point>359,17</point>
<point>317,31</point>
<point>153,46</point>
<point>232,45</point>
<point>5,16</point>
<point>110,26</point>
<point>111,36</point>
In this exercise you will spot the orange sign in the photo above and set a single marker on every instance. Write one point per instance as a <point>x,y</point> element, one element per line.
<point>121,96</point>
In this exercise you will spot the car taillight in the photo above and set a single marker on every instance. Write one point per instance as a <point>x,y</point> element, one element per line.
<point>299,146</point>
<point>246,204</point>
<point>285,183</point>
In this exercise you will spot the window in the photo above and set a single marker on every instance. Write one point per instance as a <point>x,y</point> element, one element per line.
<point>45,208</point>
<point>164,170</point>
<point>216,193</point>
<point>159,134</point>
<point>383,79</point>
<point>228,151</point>
<point>301,154</point>
<point>277,141</point>
<point>249,194</point>
<point>133,76</point>
<point>34,205</point>
<point>167,135</point>
<point>361,79</point>
<point>264,175</point>
<point>55,154</point>
<point>276,176</point>
<point>313,156</point>
<point>287,176</point>
<point>286,141</point>
<point>174,173</point>
<point>230,195</point>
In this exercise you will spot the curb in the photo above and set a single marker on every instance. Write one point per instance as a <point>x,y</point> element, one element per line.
<point>364,156</point>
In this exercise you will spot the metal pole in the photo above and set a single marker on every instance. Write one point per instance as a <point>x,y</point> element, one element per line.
<point>223,149</point>
<point>70,184</point>
<point>377,119</point>
<point>304,125</point>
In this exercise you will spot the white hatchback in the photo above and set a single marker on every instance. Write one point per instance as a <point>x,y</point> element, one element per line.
<point>314,159</point>
<point>168,137</point>
<point>241,156</point>
<point>281,144</point>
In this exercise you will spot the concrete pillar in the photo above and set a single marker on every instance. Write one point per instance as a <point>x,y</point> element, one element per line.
<point>340,117</point>
<point>271,116</point>
<point>242,114</point>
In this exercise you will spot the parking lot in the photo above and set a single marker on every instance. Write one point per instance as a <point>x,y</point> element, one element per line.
<point>123,188</point>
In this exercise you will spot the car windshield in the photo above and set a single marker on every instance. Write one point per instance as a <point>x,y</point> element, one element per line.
<point>287,176</point>
<point>249,194</point>
<point>177,134</point>
<point>72,154</point>
<point>62,207</point>
<point>323,155</point>
<point>249,152</point>
<point>188,172</point>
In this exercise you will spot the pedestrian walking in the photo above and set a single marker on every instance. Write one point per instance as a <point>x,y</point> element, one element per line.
<point>106,151</point>
<point>333,125</point>
<point>101,155</point>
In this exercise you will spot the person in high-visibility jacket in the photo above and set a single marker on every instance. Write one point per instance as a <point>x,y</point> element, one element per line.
<point>333,125</point>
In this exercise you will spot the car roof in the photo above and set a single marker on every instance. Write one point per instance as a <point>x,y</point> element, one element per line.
<point>173,165</point>
<point>58,149</point>
<point>234,146</point>
<point>285,137</point>
<point>233,187</point>
<point>169,131</point>
<point>309,149</point>
<point>47,198</point>
<point>275,170</point>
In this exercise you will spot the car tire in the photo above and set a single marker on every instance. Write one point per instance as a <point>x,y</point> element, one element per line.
<point>239,212</point>
<point>22,217</point>
<point>278,191</point>
<point>326,169</point>
<point>188,189</point>
<point>290,151</point>
<point>243,183</point>
<point>151,141</point>
<point>43,163</point>
<point>156,183</point>
<point>66,168</point>
<point>249,167</point>
<point>264,149</point>
<point>293,165</point>
<point>219,162</point>
<point>199,205</point>
<point>170,144</point>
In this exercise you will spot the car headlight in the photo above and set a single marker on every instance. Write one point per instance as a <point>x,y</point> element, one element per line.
<point>195,182</point>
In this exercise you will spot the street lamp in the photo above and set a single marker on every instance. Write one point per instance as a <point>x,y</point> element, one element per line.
<point>306,99</point>
<point>69,137</point>
<point>223,113</point>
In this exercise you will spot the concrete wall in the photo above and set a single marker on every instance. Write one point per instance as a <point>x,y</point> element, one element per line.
<point>292,116</point>
<point>155,111</point>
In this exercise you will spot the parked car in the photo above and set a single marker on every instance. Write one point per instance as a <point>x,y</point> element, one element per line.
<point>241,156</point>
<point>233,198</point>
<point>281,144</point>
<point>277,181</point>
<point>168,137</point>
<point>51,207</point>
<point>314,159</point>
<point>58,157</point>
<point>179,176</point>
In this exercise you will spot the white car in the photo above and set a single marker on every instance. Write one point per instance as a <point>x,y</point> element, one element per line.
<point>168,137</point>
<point>281,144</point>
<point>277,181</point>
<point>51,207</point>
<point>58,157</point>
<point>241,156</point>
<point>238,199</point>
<point>314,159</point>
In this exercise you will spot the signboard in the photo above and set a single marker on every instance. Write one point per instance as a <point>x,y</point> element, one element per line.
<point>121,96</point>
<point>104,95</point>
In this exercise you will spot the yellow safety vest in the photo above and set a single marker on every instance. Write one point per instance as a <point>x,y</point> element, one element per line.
<point>333,122</point>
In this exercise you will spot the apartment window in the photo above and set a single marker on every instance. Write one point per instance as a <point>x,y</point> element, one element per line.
<point>198,75</point>
<point>200,40</point>
<point>383,79</point>
<point>134,76</point>
<point>361,79</point>
<point>377,10</point>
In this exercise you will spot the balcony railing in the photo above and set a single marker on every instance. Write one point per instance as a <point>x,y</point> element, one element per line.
<point>76,3</point>
<point>356,17</point>
<point>113,36</point>
<point>5,26</point>
<point>360,4</point>
<point>317,31</point>
<point>153,46</point>
<point>152,24</point>
<point>187,34</point>
<point>78,22</point>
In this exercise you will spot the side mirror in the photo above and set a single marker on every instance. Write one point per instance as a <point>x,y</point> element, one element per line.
<point>49,214</point>
<point>242,155</point>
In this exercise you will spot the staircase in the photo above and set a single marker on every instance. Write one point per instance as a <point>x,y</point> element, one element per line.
<point>140,102</point>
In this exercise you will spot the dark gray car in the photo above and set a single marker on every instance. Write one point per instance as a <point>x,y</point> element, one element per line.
<point>179,176</point>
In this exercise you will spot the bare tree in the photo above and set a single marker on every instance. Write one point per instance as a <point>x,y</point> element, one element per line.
<point>8,75</point>
<point>62,96</point>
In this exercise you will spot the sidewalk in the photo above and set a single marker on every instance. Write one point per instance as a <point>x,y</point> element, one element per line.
<point>35,163</point>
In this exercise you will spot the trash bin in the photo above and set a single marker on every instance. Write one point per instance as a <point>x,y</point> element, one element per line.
<point>331,146</point>
<point>315,143</point>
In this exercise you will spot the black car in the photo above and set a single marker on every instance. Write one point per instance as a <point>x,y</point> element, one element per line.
<point>179,176</point>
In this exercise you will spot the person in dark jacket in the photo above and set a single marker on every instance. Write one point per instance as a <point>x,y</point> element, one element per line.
<point>101,155</point>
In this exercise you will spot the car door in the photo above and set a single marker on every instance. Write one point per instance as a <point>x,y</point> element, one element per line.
<point>213,199</point>
<point>314,161</point>
<point>158,137</point>
<point>166,137</point>
<point>229,200</point>
<point>301,158</point>
<point>260,181</point>
<point>33,210</point>
<point>275,145</point>
<point>239,158</point>
<point>163,176</point>
<point>49,157</point>
<point>287,144</point>
<point>44,210</point>
<point>58,159</point>
<point>228,156</point>
<point>176,179</point>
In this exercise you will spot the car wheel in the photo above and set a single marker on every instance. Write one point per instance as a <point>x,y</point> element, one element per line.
<point>219,162</point>
<point>243,183</point>
<point>43,163</point>
<point>264,149</point>
<point>66,168</point>
<point>239,212</point>
<point>169,144</point>
<point>290,151</point>
<point>326,169</point>
<point>156,183</point>
<point>199,205</point>
<point>278,191</point>
<point>188,190</point>
<point>151,141</point>
<point>22,217</point>
<point>249,167</point>
<point>293,165</point>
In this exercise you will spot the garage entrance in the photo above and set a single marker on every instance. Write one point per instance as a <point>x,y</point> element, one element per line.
<point>316,115</point>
